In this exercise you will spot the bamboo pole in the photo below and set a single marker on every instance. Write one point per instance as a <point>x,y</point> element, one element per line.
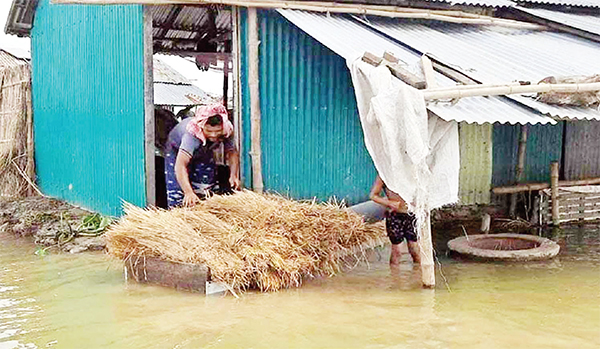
<point>520,169</point>
<point>428,72</point>
<point>255,117</point>
<point>541,186</point>
<point>494,90</point>
<point>554,192</point>
<point>426,251</point>
<point>451,16</point>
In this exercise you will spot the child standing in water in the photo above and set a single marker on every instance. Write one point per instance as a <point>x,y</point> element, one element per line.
<point>399,223</point>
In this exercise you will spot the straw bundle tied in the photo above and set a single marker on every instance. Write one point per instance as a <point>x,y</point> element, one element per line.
<point>249,240</point>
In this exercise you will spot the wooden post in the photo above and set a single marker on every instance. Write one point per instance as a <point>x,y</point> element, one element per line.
<point>149,109</point>
<point>226,75</point>
<point>426,250</point>
<point>253,77</point>
<point>554,192</point>
<point>519,169</point>
<point>237,100</point>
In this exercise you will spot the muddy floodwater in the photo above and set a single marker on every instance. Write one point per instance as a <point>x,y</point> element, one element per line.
<point>82,301</point>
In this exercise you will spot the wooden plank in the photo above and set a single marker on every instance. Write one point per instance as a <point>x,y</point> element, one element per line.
<point>577,215</point>
<point>539,186</point>
<point>554,195</point>
<point>396,69</point>
<point>188,277</point>
<point>149,122</point>
<point>255,117</point>
<point>570,204</point>
<point>574,196</point>
<point>372,59</point>
<point>237,95</point>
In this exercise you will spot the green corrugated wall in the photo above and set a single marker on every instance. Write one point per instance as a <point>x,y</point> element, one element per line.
<point>88,102</point>
<point>312,140</point>
<point>475,163</point>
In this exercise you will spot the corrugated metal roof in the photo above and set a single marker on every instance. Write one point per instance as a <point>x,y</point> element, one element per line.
<point>499,55</point>
<point>171,87</point>
<point>559,112</point>
<point>582,3</point>
<point>350,40</point>
<point>175,95</point>
<point>9,60</point>
<point>164,73</point>
<point>587,23</point>
<point>18,52</point>
<point>493,54</point>
<point>190,17</point>
<point>487,110</point>
<point>488,3</point>
<point>190,27</point>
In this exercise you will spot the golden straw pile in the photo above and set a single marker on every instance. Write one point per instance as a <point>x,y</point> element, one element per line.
<point>248,240</point>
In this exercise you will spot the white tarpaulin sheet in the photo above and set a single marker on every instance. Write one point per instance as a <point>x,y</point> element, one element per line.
<point>416,154</point>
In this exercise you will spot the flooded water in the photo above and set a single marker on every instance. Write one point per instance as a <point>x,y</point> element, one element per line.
<point>82,301</point>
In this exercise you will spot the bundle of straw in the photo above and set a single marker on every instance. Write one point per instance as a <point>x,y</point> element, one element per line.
<point>585,99</point>
<point>248,240</point>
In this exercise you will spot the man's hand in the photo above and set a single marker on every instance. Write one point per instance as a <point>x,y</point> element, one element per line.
<point>190,199</point>
<point>398,206</point>
<point>234,181</point>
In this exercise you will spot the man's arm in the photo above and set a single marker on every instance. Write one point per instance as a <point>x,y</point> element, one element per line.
<point>233,161</point>
<point>183,178</point>
<point>374,195</point>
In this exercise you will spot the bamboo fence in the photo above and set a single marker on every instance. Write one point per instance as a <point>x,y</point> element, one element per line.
<point>16,129</point>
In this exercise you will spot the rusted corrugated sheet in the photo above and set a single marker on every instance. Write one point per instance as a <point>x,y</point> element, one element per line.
<point>312,140</point>
<point>88,99</point>
<point>582,150</point>
<point>475,163</point>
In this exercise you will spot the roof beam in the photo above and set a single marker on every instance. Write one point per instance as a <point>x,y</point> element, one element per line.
<point>451,16</point>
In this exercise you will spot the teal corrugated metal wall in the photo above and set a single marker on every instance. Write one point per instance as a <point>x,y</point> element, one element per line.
<point>544,145</point>
<point>88,100</point>
<point>312,140</point>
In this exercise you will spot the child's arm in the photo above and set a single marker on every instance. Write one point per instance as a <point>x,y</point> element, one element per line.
<point>374,195</point>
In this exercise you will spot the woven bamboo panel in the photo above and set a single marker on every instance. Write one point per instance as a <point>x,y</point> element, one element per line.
<point>573,207</point>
